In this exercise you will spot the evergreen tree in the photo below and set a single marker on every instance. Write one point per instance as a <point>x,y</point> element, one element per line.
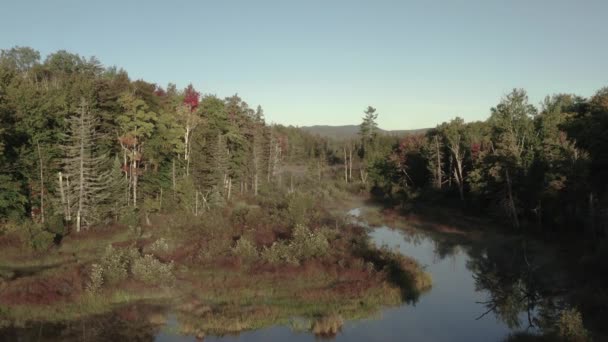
<point>85,173</point>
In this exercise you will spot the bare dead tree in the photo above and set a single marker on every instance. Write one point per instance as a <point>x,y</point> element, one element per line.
<point>41,184</point>
<point>189,120</point>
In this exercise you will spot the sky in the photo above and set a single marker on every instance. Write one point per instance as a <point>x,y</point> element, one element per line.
<point>323,62</point>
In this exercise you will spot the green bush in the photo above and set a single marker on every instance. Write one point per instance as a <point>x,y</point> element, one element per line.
<point>240,213</point>
<point>40,238</point>
<point>129,216</point>
<point>150,270</point>
<point>215,222</point>
<point>95,281</point>
<point>303,245</point>
<point>216,246</point>
<point>216,200</point>
<point>306,244</point>
<point>299,207</point>
<point>279,252</point>
<point>245,249</point>
<point>114,264</point>
<point>159,246</point>
<point>55,224</point>
<point>570,326</point>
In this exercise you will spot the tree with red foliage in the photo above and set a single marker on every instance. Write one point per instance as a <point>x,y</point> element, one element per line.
<point>191,98</point>
<point>189,119</point>
<point>407,155</point>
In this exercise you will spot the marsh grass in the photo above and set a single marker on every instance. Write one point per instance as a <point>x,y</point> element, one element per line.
<point>246,265</point>
<point>83,306</point>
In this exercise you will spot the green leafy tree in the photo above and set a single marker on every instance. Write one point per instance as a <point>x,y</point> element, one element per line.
<point>513,141</point>
<point>136,124</point>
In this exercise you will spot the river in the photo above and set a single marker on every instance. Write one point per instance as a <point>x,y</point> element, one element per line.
<point>478,294</point>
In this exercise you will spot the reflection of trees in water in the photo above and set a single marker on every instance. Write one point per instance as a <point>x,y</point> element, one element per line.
<point>443,250</point>
<point>134,323</point>
<point>516,285</point>
<point>414,237</point>
<point>443,246</point>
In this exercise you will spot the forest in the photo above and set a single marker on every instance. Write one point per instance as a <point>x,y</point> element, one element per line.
<point>116,191</point>
<point>540,169</point>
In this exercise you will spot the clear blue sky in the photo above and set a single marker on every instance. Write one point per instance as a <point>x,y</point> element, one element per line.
<point>322,62</point>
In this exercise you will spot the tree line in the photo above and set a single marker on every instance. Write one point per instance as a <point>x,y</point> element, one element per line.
<point>83,144</point>
<point>542,167</point>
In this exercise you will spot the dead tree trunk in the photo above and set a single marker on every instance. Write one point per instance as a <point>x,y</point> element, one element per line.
<point>270,154</point>
<point>196,203</point>
<point>81,176</point>
<point>458,175</point>
<point>350,163</point>
<point>134,179</point>
<point>512,207</point>
<point>68,198</point>
<point>345,166</point>
<point>363,175</point>
<point>160,200</point>
<point>41,184</point>
<point>173,178</point>
<point>438,180</point>
<point>63,200</point>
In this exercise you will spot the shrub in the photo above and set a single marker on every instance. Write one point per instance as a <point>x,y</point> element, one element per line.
<point>216,245</point>
<point>114,264</point>
<point>279,252</point>
<point>216,200</point>
<point>159,246</point>
<point>303,245</point>
<point>245,249</point>
<point>306,244</point>
<point>151,271</point>
<point>328,326</point>
<point>570,326</point>
<point>95,281</point>
<point>299,205</point>
<point>239,214</point>
<point>215,222</point>
<point>129,216</point>
<point>35,236</point>
<point>55,225</point>
<point>42,240</point>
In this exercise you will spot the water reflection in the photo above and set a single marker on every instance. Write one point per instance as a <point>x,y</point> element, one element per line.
<point>133,323</point>
<point>507,282</point>
<point>517,282</point>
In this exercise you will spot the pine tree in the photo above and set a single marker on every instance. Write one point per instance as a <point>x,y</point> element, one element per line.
<point>369,127</point>
<point>85,176</point>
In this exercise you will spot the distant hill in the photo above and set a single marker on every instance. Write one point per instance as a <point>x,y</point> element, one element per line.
<point>352,131</point>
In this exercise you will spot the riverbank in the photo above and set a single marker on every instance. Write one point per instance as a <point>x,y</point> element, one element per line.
<point>244,266</point>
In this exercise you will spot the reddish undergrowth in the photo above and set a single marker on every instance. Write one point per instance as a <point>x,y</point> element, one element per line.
<point>62,286</point>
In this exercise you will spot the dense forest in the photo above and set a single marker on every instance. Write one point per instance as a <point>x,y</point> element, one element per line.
<point>131,186</point>
<point>535,168</point>
<point>83,144</point>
